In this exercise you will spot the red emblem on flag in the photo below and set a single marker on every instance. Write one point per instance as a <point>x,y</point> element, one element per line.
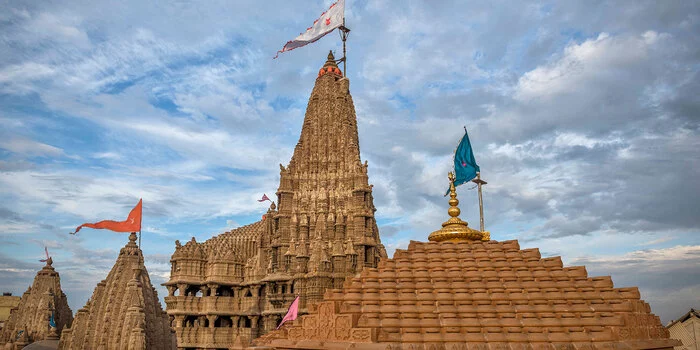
<point>328,21</point>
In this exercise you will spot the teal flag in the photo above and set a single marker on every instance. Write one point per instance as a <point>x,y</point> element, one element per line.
<point>52,323</point>
<point>465,164</point>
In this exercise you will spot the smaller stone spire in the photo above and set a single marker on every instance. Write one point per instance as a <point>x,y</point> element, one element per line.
<point>454,229</point>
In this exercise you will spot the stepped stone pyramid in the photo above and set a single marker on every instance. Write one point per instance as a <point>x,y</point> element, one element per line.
<point>238,285</point>
<point>29,321</point>
<point>124,312</point>
<point>460,291</point>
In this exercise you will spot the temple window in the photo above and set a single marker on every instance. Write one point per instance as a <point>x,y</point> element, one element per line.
<point>369,255</point>
<point>223,322</point>
<point>284,289</point>
<point>245,322</point>
<point>224,291</point>
<point>248,294</point>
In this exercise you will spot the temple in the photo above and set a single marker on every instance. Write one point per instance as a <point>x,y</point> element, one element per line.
<point>124,311</point>
<point>462,290</point>
<point>237,286</point>
<point>30,321</point>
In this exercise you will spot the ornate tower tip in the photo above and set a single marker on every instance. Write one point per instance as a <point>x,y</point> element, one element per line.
<point>330,66</point>
<point>454,229</point>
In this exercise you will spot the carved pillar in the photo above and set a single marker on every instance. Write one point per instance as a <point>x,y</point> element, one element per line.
<point>254,326</point>
<point>256,292</point>
<point>205,290</point>
<point>179,320</point>
<point>235,320</point>
<point>182,287</point>
<point>171,290</point>
<point>212,320</point>
<point>213,288</point>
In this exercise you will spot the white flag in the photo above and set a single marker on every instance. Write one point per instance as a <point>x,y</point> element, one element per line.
<point>329,21</point>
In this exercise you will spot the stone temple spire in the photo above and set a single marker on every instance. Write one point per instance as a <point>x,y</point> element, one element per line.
<point>29,322</point>
<point>329,142</point>
<point>238,285</point>
<point>124,311</point>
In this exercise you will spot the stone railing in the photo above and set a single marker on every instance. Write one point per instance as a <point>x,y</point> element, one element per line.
<point>193,337</point>
<point>210,305</point>
<point>188,304</point>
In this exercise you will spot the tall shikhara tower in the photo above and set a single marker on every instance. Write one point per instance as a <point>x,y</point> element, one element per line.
<point>237,286</point>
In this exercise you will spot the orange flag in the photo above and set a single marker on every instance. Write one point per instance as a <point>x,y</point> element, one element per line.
<point>131,224</point>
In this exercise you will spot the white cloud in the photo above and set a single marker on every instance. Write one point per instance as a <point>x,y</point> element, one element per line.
<point>29,147</point>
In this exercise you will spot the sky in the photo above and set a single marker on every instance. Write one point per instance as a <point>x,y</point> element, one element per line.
<point>583,116</point>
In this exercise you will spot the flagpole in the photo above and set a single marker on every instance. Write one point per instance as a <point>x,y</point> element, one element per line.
<point>478,181</point>
<point>344,32</point>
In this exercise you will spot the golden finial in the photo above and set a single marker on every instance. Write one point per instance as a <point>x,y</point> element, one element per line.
<point>454,229</point>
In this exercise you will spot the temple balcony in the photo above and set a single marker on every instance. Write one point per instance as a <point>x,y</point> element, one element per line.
<point>210,338</point>
<point>209,305</point>
<point>184,304</point>
<point>280,300</point>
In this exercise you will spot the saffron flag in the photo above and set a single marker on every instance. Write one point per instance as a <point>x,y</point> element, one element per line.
<point>264,198</point>
<point>46,250</point>
<point>291,313</point>
<point>131,224</point>
<point>464,162</point>
<point>328,22</point>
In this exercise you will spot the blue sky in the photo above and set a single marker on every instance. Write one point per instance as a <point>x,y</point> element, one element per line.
<point>583,116</point>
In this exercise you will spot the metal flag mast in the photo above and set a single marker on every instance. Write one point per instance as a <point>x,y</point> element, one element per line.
<point>344,32</point>
<point>478,181</point>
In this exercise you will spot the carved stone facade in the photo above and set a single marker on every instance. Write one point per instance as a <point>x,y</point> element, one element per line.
<point>29,321</point>
<point>237,286</point>
<point>7,303</point>
<point>124,312</point>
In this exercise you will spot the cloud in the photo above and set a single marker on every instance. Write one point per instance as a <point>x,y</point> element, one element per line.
<point>669,282</point>
<point>29,147</point>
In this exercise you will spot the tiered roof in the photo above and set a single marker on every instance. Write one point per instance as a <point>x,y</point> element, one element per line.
<point>466,293</point>
<point>124,311</point>
<point>29,321</point>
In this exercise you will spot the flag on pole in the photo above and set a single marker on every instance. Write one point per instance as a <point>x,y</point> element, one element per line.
<point>131,224</point>
<point>264,198</point>
<point>46,250</point>
<point>328,22</point>
<point>291,313</point>
<point>464,163</point>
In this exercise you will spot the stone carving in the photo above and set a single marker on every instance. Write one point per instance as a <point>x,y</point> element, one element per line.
<point>320,231</point>
<point>29,321</point>
<point>124,311</point>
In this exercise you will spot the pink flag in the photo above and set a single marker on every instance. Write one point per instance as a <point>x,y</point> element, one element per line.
<point>291,313</point>
<point>264,198</point>
<point>46,250</point>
